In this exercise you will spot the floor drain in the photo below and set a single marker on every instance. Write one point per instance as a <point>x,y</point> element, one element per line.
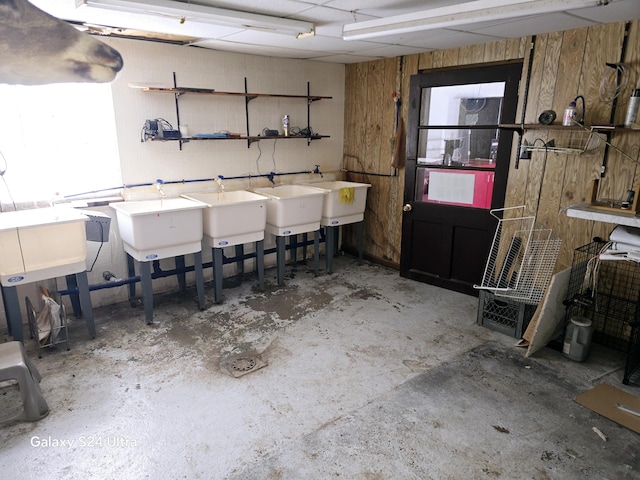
<point>241,364</point>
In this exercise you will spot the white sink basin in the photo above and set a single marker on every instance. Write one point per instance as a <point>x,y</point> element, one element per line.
<point>292,209</point>
<point>162,228</point>
<point>232,218</point>
<point>41,243</point>
<point>344,203</point>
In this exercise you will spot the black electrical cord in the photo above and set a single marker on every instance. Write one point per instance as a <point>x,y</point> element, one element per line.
<point>258,159</point>
<point>584,109</point>
<point>273,153</point>
<point>544,168</point>
<point>99,248</point>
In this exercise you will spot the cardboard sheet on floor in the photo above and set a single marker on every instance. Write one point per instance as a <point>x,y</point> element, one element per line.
<point>548,319</point>
<point>604,399</point>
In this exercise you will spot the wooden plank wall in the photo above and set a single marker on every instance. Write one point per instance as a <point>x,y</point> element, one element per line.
<point>564,65</point>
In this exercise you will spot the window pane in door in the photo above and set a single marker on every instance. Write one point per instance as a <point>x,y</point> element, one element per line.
<point>461,147</point>
<point>461,105</point>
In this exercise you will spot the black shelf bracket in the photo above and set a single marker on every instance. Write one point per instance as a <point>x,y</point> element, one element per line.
<point>247,99</point>
<point>176,97</point>
<point>179,91</point>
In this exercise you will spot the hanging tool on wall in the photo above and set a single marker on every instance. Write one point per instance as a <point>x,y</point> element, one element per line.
<point>398,103</point>
<point>398,153</point>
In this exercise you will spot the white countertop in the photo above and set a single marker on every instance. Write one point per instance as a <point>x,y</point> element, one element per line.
<point>584,211</point>
<point>36,217</point>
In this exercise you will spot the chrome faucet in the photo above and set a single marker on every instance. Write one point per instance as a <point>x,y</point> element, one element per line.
<point>219,182</point>
<point>158,184</point>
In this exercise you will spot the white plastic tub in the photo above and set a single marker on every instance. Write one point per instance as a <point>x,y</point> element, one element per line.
<point>233,217</point>
<point>292,209</point>
<point>340,206</point>
<point>41,243</point>
<point>163,228</point>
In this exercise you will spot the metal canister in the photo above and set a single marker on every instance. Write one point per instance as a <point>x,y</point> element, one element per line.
<point>632,110</point>
<point>577,340</point>
<point>570,114</point>
<point>285,125</point>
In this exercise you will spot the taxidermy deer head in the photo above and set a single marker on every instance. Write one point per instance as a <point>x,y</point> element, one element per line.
<point>36,48</point>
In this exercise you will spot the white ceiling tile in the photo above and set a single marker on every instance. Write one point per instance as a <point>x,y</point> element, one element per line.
<point>617,11</point>
<point>277,8</point>
<point>435,39</point>
<point>386,51</point>
<point>256,49</point>
<point>329,17</point>
<point>386,8</point>
<point>289,42</point>
<point>346,58</point>
<point>531,25</point>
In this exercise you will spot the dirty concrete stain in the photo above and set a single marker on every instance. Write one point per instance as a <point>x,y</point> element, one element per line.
<point>419,365</point>
<point>246,320</point>
<point>365,294</point>
<point>290,304</point>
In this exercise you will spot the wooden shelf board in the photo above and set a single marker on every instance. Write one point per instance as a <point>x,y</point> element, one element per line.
<point>243,137</point>
<point>204,91</point>
<point>555,126</point>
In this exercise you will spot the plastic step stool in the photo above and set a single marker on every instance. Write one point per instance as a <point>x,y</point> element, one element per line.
<point>16,365</point>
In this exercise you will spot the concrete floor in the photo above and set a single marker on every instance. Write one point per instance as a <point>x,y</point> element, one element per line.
<point>367,376</point>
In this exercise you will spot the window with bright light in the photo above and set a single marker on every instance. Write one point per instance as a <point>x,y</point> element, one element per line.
<point>57,140</point>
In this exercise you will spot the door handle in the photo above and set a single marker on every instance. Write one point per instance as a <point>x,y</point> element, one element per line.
<point>407,208</point>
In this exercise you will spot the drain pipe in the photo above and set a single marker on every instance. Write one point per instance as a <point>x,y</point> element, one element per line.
<point>364,172</point>
<point>270,175</point>
<point>159,273</point>
<point>249,176</point>
<point>134,185</point>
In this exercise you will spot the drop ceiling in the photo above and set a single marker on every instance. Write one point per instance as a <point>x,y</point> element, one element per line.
<point>329,18</point>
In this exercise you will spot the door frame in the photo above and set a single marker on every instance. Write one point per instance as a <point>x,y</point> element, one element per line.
<point>510,72</point>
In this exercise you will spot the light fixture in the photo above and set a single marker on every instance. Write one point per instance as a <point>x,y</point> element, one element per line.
<point>186,13</point>
<point>460,14</point>
<point>302,35</point>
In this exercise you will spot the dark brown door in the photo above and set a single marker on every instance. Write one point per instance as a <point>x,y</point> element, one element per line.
<point>456,172</point>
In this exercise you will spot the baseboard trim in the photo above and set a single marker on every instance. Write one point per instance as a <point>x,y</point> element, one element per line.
<point>373,259</point>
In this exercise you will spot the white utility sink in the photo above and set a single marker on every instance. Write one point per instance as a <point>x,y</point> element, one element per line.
<point>344,203</point>
<point>292,209</point>
<point>41,243</point>
<point>162,228</point>
<point>233,217</point>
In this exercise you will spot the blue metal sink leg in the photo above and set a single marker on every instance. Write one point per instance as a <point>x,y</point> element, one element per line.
<point>147,291</point>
